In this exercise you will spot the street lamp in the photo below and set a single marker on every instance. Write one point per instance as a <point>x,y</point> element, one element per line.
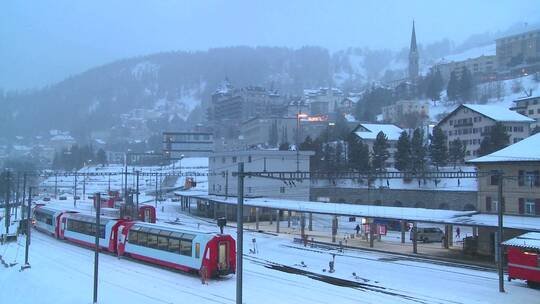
<point>298,117</point>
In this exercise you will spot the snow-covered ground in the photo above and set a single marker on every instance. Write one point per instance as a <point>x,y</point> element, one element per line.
<point>281,272</point>
<point>196,167</point>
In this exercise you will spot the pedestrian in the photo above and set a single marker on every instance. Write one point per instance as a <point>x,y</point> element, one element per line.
<point>357,228</point>
<point>458,233</point>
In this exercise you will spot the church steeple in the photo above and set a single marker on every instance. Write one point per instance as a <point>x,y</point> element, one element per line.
<point>413,56</point>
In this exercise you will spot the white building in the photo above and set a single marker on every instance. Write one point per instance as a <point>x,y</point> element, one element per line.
<point>223,164</point>
<point>368,134</point>
<point>470,123</point>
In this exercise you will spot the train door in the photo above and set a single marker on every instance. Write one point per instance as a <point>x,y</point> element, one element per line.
<point>223,256</point>
<point>62,226</point>
<point>57,224</point>
<point>121,242</point>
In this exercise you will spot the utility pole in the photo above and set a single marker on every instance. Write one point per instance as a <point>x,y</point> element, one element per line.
<point>28,230</point>
<point>137,187</point>
<point>226,184</point>
<point>84,187</point>
<point>155,198</point>
<point>23,195</point>
<point>7,211</point>
<point>109,186</point>
<point>55,185</point>
<point>97,200</point>
<point>75,191</point>
<point>500,239</point>
<point>125,179</point>
<point>239,233</point>
<point>17,194</point>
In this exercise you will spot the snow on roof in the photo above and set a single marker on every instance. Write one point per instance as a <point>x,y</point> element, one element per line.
<point>524,150</point>
<point>464,218</point>
<point>391,131</point>
<point>527,240</point>
<point>350,118</point>
<point>498,113</point>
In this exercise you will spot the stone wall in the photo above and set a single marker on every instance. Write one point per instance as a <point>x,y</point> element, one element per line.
<point>432,199</point>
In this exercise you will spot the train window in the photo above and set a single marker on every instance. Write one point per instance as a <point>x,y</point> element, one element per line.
<point>101,231</point>
<point>163,243</point>
<point>177,235</point>
<point>132,237</point>
<point>142,238</point>
<point>185,247</point>
<point>48,220</point>
<point>188,236</point>
<point>152,241</point>
<point>174,245</point>
<point>164,233</point>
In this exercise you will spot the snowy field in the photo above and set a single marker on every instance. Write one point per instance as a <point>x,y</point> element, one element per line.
<point>63,273</point>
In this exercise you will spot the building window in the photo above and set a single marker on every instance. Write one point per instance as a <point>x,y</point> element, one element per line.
<point>531,111</point>
<point>234,159</point>
<point>494,178</point>
<point>451,122</point>
<point>281,189</point>
<point>249,189</point>
<point>530,207</point>
<point>223,159</point>
<point>249,158</point>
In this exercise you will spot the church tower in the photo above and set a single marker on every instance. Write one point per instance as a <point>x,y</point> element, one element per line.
<point>413,57</point>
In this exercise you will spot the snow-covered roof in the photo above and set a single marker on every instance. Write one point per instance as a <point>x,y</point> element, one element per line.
<point>464,218</point>
<point>527,240</point>
<point>498,113</point>
<point>524,150</point>
<point>391,131</point>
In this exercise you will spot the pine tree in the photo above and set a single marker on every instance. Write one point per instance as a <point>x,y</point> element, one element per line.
<point>452,90</point>
<point>466,85</point>
<point>437,148</point>
<point>418,151</point>
<point>380,152</point>
<point>101,157</point>
<point>358,157</point>
<point>456,153</point>
<point>435,85</point>
<point>496,139</point>
<point>402,156</point>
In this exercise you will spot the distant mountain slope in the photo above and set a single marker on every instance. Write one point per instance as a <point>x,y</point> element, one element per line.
<point>95,99</point>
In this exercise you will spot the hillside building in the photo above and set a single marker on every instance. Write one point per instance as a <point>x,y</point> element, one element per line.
<point>394,113</point>
<point>177,145</point>
<point>470,123</point>
<point>520,49</point>
<point>530,107</point>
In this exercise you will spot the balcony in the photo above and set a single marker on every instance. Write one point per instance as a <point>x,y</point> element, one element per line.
<point>463,124</point>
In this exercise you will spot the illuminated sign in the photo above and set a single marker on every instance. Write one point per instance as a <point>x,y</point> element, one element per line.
<point>316,118</point>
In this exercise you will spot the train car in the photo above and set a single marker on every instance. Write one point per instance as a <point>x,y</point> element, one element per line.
<point>206,253</point>
<point>81,228</point>
<point>47,219</point>
<point>524,258</point>
<point>147,214</point>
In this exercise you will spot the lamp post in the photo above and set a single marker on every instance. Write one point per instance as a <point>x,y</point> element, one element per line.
<point>298,117</point>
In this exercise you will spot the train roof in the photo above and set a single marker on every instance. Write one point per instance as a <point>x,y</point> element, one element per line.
<point>90,218</point>
<point>528,240</point>
<point>170,227</point>
<point>50,209</point>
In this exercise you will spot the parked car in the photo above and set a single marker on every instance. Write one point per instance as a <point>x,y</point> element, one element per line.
<point>46,199</point>
<point>62,198</point>
<point>429,234</point>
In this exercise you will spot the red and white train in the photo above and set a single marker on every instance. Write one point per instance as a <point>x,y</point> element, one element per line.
<point>207,253</point>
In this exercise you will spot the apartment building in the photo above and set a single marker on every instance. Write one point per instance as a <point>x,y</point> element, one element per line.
<point>471,122</point>
<point>530,107</point>
<point>523,48</point>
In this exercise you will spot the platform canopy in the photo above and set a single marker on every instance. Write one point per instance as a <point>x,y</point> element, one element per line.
<point>463,218</point>
<point>529,240</point>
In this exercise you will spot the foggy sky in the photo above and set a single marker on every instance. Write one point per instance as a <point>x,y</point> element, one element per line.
<point>42,42</point>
